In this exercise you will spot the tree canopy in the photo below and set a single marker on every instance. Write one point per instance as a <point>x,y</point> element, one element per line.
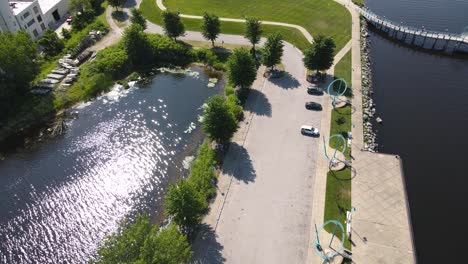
<point>185,204</point>
<point>125,245</point>
<point>218,121</point>
<point>138,18</point>
<point>51,43</point>
<point>18,68</point>
<point>173,26</point>
<point>273,50</point>
<point>211,27</point>
<point>142,242</point>
<point>167,246</point>
<point>116,3</point>
<point>253,31</point>
<point>137,45</point>
<point>242,69</point>
<point>319,56</point>
<point>76,6</point>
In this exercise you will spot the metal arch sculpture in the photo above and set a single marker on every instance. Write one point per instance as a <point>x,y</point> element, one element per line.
<point>333,96</point>
<point>327,256</point>
<point>343,149</point>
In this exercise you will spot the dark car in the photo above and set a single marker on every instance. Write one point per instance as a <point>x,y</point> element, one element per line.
<point>314,90</point>
<point>314,78</point>
<point>313,106</point>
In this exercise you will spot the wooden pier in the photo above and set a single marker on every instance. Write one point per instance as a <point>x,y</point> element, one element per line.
<point>427,39</point>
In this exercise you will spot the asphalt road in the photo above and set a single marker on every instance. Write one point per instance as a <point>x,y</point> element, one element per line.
<point>266,214</point>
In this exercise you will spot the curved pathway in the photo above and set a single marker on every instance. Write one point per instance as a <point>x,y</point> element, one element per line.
<point>301,29</point>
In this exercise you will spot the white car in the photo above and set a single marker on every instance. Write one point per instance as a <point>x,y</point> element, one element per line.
<point>310,131</point>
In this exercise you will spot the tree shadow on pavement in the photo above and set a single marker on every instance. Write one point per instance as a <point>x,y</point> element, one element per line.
<point>120,16</point>
<point>286,81</point>
<point>206,249</point>
<point>238,164</point>
<point>260,104</point>
<point>129,4</point>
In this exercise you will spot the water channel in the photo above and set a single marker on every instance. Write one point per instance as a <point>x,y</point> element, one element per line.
<point>60,198</point>
<point>423,99</point>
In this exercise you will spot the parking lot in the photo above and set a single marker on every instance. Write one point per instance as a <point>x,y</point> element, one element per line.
<point>267,177</point>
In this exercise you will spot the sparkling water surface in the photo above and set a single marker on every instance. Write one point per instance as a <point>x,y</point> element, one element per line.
<point>59,199</point>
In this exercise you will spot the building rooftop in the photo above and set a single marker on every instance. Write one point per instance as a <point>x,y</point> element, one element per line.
<point>19,6</point>
<point>46,5</point>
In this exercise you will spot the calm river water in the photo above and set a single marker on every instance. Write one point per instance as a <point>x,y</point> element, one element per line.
<point>423,100</point>
<point>61,198</point>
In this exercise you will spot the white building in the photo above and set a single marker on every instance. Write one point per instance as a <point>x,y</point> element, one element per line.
<point>34,16</point>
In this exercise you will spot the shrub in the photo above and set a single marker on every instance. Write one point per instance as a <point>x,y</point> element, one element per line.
<point>168,51</point>
<point>125,245</point>
<point>167,246</point>
<point>229,90</point>
<point>185,204</point>
<point>66,33</point>
<point>201,171</point>
<point>113,60</point>
<point>234,107</point>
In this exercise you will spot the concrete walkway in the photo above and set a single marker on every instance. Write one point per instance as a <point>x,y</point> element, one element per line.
<point>381,227</point>
<point>301,29</point>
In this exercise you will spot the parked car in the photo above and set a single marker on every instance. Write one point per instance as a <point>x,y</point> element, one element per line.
<point>310,131</point>
<point>313,106</point>
<point>314,90</point>
<point>315,78</point>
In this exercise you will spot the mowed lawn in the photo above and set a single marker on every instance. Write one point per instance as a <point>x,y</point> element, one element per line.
<point>316,16</point>
<point>154,14</point>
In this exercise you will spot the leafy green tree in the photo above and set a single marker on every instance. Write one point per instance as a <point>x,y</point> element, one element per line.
<point>211,27</point>
<point>242,69</point>
<point>273,50</point>
<point>96,5</point>
<point>51,43</point>
<point>66,33</point>
<point>185,204</point>
<point>253,31</point>
<point>113,60</point>
<point>138,18</point>
<point>173,26</point>
<point>167,246</point>
<point>116,3</point>
<point>137,45</point>
<point>125,245</point>
<point>82,19</point>
<point>76,6</point>
<point>319,56</point>
<point>218,121</point>
<point>17,68</point>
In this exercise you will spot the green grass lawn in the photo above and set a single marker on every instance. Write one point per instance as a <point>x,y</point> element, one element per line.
<point>340,124</point>
<point>343,68</point>
<point>324,17</point>
<point>338,200</point>
<point>293,36</point>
